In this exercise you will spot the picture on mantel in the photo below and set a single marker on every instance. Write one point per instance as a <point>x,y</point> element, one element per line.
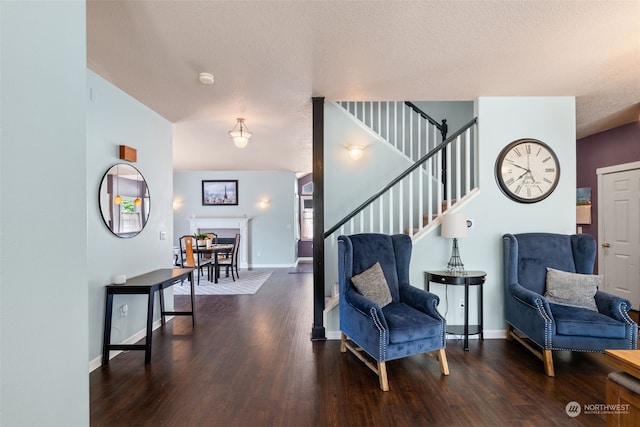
<point>219,192</point>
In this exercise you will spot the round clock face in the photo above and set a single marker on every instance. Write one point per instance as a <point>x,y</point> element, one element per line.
<point>527,170</point>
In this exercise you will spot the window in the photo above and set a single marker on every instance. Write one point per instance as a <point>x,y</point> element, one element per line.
<point>306,207</point>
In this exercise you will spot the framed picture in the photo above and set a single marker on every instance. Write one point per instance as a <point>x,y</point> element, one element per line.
<point>220,193</point>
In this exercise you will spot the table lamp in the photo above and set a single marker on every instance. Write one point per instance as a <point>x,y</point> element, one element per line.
<point>454,225</point>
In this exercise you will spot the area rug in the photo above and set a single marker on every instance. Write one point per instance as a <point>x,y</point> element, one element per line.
<point>248,283</point>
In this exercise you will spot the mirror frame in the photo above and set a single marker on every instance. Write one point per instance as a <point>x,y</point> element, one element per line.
<point>131,184</point>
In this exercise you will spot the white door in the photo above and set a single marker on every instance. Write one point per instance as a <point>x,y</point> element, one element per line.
<point>619,193</point>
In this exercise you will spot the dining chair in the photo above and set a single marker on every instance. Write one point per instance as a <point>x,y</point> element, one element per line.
<point>190,259</point>
<point>230,261</point>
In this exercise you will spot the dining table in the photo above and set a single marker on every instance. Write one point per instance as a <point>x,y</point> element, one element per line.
<point>214,251</point>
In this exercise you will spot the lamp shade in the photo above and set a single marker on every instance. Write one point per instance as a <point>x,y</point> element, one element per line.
<point>454,225</point>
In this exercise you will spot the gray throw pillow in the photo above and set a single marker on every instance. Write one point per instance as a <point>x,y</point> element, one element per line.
<point>372,284</point>
<point>573,289</point>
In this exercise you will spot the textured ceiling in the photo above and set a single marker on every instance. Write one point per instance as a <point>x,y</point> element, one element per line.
<point>270,57</point>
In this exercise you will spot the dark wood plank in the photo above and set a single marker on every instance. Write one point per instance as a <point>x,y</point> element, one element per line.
<point>251,362</point>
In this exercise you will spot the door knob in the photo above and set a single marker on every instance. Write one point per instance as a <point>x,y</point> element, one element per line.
<point>606,245</point>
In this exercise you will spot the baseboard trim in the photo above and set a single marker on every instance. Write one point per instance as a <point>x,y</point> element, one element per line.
<point>332,335</point>
<point>499,334</point>
<point>97,362</point>
<point>272,266</point>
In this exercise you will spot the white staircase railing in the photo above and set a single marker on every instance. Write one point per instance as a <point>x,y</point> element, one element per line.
<point>400,123</point>
<point>412,203</point>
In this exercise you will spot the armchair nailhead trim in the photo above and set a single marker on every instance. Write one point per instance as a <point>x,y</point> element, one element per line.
<point>444,323</point>
<point>382,343</point>
<point>547,324</point>
<point>631,327</point>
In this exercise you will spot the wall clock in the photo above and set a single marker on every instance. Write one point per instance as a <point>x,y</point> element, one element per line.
<point>527,170</point>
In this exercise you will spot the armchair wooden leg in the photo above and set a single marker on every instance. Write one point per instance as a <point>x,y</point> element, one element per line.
<point>547,358</point>
<point>343,340</point>
<point>509,332</point>
<point>442,358</point>
<point>382,373</point>
<point>543,354</point>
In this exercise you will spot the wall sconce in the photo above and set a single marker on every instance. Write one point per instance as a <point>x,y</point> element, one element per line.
<point>177,204</point>
<point>355,151</point>
<point>264,203</point>
<point>240,134</point>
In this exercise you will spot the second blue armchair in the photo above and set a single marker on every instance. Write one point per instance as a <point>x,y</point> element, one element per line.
<point>550,325</point>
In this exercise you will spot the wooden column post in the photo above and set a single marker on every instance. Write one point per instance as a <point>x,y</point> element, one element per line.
<point>318,331</point>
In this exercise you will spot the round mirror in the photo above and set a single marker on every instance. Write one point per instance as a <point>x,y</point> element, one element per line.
<point>124,200</point>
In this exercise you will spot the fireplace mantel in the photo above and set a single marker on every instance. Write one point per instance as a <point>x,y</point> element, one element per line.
<point>240,223</point>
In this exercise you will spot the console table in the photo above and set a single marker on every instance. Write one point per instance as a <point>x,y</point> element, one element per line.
<point>146,284</point>
<point>469,278</point>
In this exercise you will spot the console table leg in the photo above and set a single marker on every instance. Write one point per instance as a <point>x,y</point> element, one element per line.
<point>161,295</point>
<point>106,339</point>
<point>147,351</point>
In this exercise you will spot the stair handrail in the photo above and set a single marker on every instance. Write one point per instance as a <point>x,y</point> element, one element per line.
<point>442,127</point>
<point>402,175</point>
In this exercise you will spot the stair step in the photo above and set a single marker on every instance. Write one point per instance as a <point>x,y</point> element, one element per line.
<point>425,217</point>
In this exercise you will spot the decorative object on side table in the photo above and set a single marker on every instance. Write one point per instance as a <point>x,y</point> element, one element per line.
<point>454,225</point>
<point>119,279</point>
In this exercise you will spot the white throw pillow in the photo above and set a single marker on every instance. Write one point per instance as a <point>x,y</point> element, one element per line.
<point>372,284</point>
<point>573,289</point>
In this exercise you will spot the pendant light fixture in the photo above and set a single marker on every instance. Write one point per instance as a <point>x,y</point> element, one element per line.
<point>138,200</point>
<point>240,134</point>
<point>117,200</point>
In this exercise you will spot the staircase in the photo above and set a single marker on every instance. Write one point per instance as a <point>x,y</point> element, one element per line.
<point>443,171</point>
<point>442,176</point>
<point>402,124</point>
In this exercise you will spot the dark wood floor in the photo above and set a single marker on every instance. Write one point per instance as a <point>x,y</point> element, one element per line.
<point>250,362</point>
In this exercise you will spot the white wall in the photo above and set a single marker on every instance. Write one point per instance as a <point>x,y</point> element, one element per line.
<point>457,113</point>
<point>272,229</point>
<point>347,182</point>
<point>43,204</point>
<point>114,118</point>
<point>501,120</point>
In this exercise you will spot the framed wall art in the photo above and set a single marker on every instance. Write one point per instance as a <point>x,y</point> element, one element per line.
<point>220,192</point>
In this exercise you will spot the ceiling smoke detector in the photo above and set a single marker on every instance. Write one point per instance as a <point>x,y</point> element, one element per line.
<point>206,78</point>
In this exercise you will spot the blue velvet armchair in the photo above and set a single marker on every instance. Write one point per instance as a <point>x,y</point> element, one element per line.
<point>553,326</point>
<point>409,324</point>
